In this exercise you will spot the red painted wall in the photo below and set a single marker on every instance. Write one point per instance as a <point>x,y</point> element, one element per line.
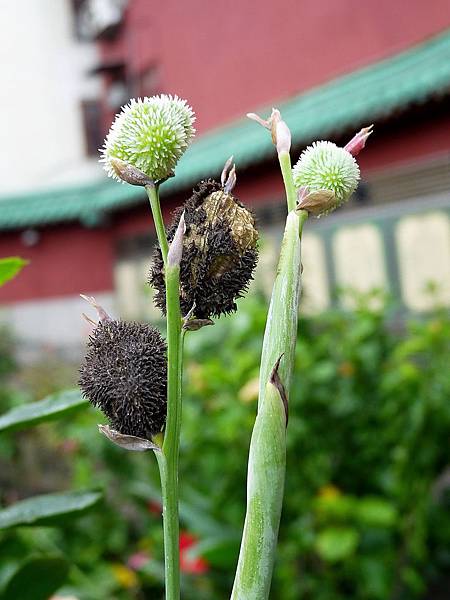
<point>67,260</point>
<point>228,58</point>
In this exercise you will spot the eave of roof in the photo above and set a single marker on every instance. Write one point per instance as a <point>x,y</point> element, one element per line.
<point>368,94</point>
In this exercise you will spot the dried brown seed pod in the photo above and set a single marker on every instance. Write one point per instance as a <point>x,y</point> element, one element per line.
<point>124,374</point>
<point>219,252</point>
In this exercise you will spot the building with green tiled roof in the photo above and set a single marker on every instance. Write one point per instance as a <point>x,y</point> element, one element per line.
<point>95,236</point>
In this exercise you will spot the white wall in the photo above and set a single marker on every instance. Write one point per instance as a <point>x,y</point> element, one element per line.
<point>43,77</point>
<point>53,324</point>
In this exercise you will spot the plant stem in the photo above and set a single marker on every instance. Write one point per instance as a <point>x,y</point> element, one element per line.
<point>170,449</point>
<point>169,488</point>
<point>265,490</point>
<point>280,335</point>
<point>266,464</point>
<point>168,457</point>
<point>284,159</point>
<point>153,196</point>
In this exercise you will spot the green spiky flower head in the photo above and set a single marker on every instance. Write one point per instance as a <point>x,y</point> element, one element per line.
<point>150,134</point>
<point>325,166</point>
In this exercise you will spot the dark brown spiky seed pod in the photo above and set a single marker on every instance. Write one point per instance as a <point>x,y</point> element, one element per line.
<point>124,374</point>
<point>219,253</point>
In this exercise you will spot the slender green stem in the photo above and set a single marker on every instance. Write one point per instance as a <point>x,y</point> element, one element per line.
<point>169,488</point>
<point>286,171</point>
<point>168,461</point>
<point>168,457</point>
<point>153,196</point>
<point>174,358</point>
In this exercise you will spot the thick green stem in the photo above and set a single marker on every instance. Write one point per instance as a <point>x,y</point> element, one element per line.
<point>265,488</point>
<point>266,465</point>
<point>280,335</point>
<point>168,457</point>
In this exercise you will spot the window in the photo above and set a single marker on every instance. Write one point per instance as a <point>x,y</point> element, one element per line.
<point>92,123</point>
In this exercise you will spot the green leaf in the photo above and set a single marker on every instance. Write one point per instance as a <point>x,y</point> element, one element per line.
<point>36,579</point>
<point>376,512</point>
<point>55,406</point>
<point>220,551</point>
<point>9,267</point>
<point>336,543</point>
<point>48,509</point>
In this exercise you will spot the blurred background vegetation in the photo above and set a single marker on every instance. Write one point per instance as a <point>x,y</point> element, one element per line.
<point>367,491</point>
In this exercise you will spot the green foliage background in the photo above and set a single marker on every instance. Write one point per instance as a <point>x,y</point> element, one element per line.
<point>367,490</point>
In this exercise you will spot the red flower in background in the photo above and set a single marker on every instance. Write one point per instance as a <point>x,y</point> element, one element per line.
<point>195,566</point>
<point>154,507</point>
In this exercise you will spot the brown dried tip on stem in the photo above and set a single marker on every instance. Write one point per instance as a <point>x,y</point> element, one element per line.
<point>225,170</point>
<point>228,176</point>
<point>102,314</point>
<point>190,323</point>
<point>302,192</point>
<point>281,135</point>
<point>317,203</point>
<point>128,442</point>
<point>129,173</point>
<point>358,141</point>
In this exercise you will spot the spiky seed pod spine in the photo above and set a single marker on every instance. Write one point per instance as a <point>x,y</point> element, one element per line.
<point>325,166</point>
<point>125,375</point>
<point>150,134</point>
<point>219,253</point>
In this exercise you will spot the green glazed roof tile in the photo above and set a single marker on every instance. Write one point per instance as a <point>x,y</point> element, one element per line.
<point>360,97</point>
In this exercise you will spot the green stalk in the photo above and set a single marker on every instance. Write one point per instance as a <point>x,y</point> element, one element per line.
<point>280,335</point>
<point>266,465</point>
<point>168,457</point>
<point>284,159</point>
<point>265,485</point>
<point>153,196</point>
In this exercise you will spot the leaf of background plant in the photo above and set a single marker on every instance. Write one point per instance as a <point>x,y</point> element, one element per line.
<point>336,543</point>
<point>36,579</point>
<point>53,407</point>
<point>195,517</point>
<point>376,512</point>
<point>10,267</point>
<point>48,509</point>
<point>219,551</point>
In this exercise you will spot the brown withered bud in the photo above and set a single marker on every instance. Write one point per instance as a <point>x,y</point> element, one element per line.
<point>317,203</point>
<point>219,251</point>
<point>129,173</point>
<point>124,374</point>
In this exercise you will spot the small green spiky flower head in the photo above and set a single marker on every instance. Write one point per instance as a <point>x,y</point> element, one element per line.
<point>325,166</point>
<point>150,134</point>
